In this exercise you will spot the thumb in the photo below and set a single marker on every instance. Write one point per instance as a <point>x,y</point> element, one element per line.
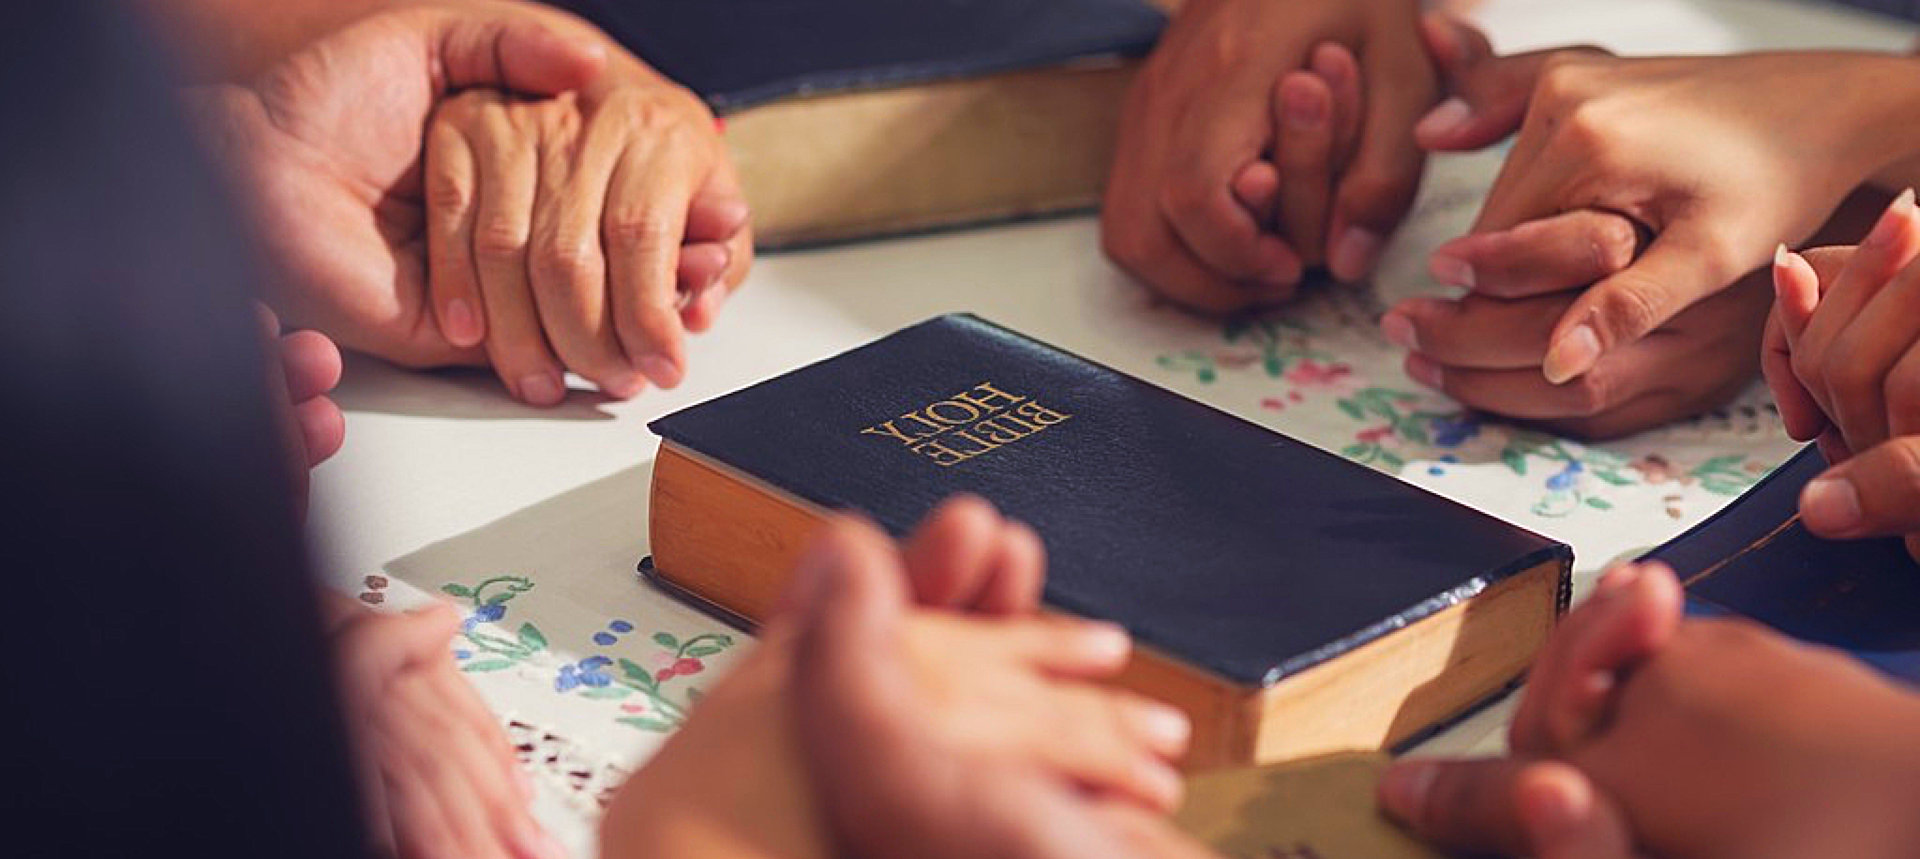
<point>1875,493</point>
<point>1490,93</point>
<point>1684,264</point>
<point>511,49</point>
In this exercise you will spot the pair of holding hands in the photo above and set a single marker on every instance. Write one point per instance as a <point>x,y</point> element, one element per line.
<point>911,701</point>
<point>492,184</point>
<point>1643,734</point>
<point>1843,359</point>
<point>1263,138</point>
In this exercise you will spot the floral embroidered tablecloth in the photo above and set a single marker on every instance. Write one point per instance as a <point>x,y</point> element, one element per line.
<point>592,669</point>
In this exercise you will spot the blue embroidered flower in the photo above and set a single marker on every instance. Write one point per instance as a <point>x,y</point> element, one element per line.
<point>620,626</point>
<point>1456,430</point>
<point>590,672</point>
<point>604,639</point>
<point>463,653</point>
<point>483,614</point>
<point>1566,478</point>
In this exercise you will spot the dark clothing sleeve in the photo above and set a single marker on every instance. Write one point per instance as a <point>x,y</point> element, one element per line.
<point>166,687</point>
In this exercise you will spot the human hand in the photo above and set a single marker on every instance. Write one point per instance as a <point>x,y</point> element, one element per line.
<point>1842,361</point>
<point>819,740</point>
<point>1671,145</point>
<point>1229,86</point>
<point>439,773</point>
<point>306,367</point>
<point>585,231</point>
<point>943,735</point>
<point>1709,743</point>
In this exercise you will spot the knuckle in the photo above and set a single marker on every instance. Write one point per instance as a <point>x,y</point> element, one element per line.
<point>1373,188</point>
<point>1630,308</point>
<point>1902,391</point>
<point>1902,456</point>
<point>1613,240</point>
<point>641,230</point>
<point>571,259</point>
<point>1124,241</point>
<point>1594,392</point>
<point>500,239</point>
<point>1850,383</point>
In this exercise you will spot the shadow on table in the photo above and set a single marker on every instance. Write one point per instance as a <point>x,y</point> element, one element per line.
<point>372,385</point>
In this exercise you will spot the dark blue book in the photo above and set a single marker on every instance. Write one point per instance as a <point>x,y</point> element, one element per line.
<point>849,119</point>
<point>738,53</point>
<point>1754,559</point>
<point>1293,601</point>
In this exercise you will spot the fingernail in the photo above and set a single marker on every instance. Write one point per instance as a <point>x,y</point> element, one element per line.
<point>1164,728</point>
<point>1353,255</point>
<point>1899,210</point>
<point>463,325</point>
<point>1617,578</point>
<point>1398,330</point>
<point>1404,788</point>
<point>1451,270</point>
<point>1444,119</point>
<point>662,371</point>
<point>624,386</point>
<point>542,389</point>
<point>713,298</point>
<point>1305,109</point>
<point>1555,812</point>
<point>1424,371</point>
<point>1830,505</point>
<point>1572,355</point>
<point>1106,643</point>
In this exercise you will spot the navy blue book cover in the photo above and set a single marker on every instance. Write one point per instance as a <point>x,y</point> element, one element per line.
<point>1754,559</point>
<point>737,53</point>
<point>1215,539</point>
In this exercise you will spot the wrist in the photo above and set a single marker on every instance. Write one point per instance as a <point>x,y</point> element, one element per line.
<point>1884,142</point>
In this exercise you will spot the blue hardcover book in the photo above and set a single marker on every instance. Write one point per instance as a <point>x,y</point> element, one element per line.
<point>1754,559</point>
<point>738,53</point>
<point>1293,601</point>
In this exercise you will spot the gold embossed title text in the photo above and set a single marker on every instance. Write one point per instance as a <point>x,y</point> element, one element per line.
<point>974,422</point>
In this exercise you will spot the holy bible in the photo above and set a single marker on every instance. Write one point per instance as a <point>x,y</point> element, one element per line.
<point>1291,601</point>
<point>1755,560</point>
<point>854,118</point>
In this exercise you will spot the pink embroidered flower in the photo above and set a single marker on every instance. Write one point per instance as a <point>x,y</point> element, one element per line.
<point>1309,373</point>
<point>1373,435</point>
<point>633,708</point>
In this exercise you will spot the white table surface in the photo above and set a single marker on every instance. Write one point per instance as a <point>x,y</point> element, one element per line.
<point>444,479</point>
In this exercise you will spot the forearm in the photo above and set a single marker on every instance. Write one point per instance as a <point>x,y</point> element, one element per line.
<point>1890,91</point>
<point>232,40</point>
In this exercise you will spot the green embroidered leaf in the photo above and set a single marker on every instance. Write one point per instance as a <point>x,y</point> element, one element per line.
<point>1352,409</point>
<point>482,665</point>
<point>1354,451</point>
<point>704,650</point>
<point>500,597</point>
<point>639,676</point>
<point>457,590</point>
<point>1514,460</point>
<point>1275,366</point>
<point>1611,476</point>
<point>530,637</point>
<point>1207,375</point>
<point>1392,460</point>
<point>647,723</point>
<point>666,640</point>
<point>1414,432</point>
<point>1599,503</point>
<point>605,693</point>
